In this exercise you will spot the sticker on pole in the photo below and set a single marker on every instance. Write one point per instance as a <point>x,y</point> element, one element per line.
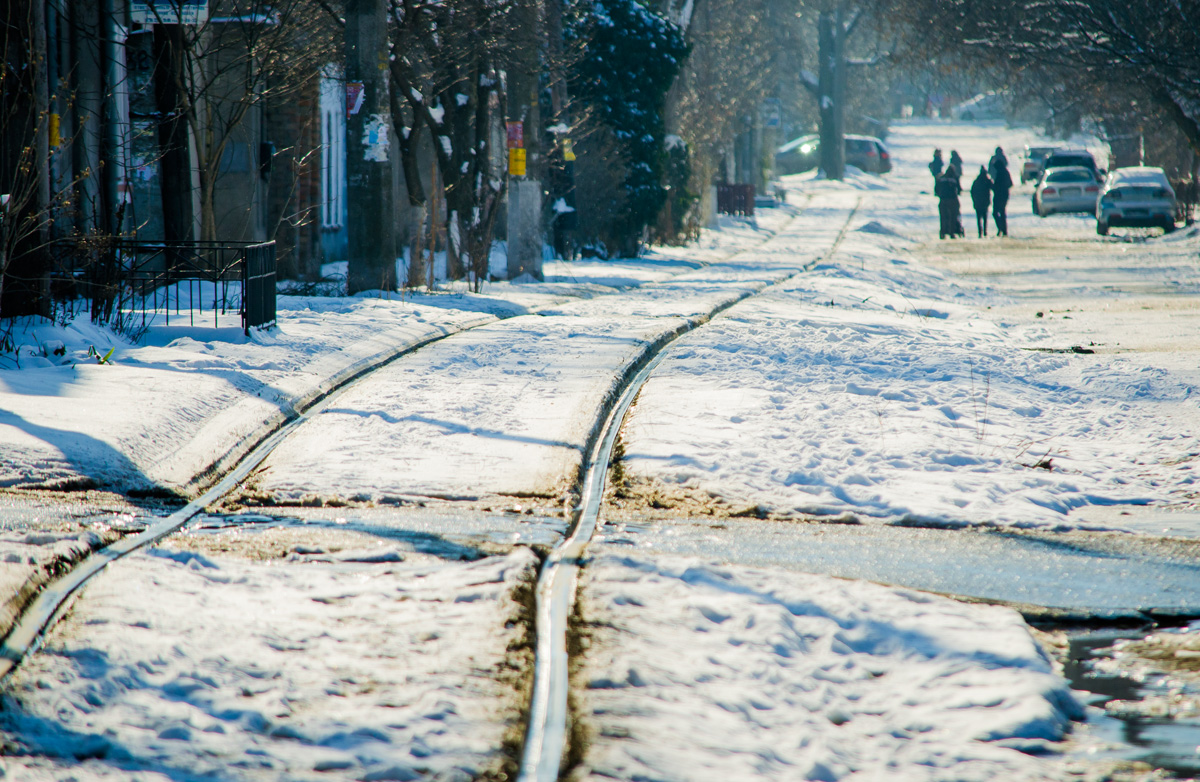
<point>516,162</point>
<point>516,135</point>
<point>375,139</point>
<point>354,97</point>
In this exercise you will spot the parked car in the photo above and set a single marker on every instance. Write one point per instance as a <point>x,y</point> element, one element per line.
<point>801,154</point>
<point>1060,158</point>
<point>1067,189</point>
<point>866,153</point>
<point>986,105</point>
<point>1035,159</point>
<point>1066,158</point>
<point>1138,196</point>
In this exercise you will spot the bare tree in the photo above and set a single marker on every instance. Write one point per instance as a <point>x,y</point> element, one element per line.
<point>731,69</point>
<point>246,54</point>
<point>24,154</point>
<point>1155,46</point>
<point>447,82</point>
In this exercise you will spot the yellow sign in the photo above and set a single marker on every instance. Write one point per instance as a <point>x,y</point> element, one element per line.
<point>516,162</point>
<point>568,150</point>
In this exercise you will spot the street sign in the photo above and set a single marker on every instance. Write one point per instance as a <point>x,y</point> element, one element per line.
<point>516,162</point>
<point>772,113</point>
<point>168,11</point>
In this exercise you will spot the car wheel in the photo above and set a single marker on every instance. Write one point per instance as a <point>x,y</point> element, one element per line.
<point>1102,228</point>
<point>1168,226</point>
<point>1043,213</point>
<point>968,117</point>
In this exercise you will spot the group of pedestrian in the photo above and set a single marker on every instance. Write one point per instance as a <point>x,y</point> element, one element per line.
<point>990,189</point>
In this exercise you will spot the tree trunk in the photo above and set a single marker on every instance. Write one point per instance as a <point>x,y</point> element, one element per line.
<point>831,90</point>
<point>175,160</point>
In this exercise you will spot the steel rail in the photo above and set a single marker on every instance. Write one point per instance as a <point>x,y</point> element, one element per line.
<point>546,734</point>
<point>40,615</point>
<point>43,612</point>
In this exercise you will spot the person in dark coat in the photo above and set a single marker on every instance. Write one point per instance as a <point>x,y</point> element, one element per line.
<point>936,165</point>
<point>957,162</point>
<point>997,162</point>
<point>947,190</point>
<point>981,199</point>
<point>1001,184</point>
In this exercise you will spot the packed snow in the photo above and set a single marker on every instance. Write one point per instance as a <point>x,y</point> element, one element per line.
<point>356,662</point>
<point>713,672</point>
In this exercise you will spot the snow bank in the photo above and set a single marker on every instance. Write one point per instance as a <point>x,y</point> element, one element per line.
<point>703,672</point>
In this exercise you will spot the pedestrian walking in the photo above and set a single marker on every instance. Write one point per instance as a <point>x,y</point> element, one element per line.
<point>949,216</point>
<point>936,165</point>
<point>981,199</point>
<point>1001,184</point>
<point>997,162</point>
<point>956,163</point>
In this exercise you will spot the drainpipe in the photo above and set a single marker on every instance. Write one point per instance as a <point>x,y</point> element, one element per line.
<point>112,152</point>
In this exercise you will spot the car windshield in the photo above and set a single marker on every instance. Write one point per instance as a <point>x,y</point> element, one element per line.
<point>1076,175</point>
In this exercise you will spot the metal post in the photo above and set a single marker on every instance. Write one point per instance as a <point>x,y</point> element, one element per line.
<point>525,187</point>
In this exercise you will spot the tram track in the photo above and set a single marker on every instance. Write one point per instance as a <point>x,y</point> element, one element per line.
<point>546,736</point>
<point>216,481</point>
<point>546,742</point>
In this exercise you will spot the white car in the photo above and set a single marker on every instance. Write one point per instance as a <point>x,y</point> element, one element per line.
<point>1138,196</point>
<point>1067,189</point>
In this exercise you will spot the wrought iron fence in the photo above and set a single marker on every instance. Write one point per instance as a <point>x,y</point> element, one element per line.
<point>130,281</point>
<point>735,199</point>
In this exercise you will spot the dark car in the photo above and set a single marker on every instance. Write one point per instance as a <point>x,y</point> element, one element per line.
<point>798,155</point>
<point>1073,157</point>
<point>1035,161</point>
<point>865,153</point>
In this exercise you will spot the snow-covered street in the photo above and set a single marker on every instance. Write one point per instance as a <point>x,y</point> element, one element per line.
<point>871,416</point>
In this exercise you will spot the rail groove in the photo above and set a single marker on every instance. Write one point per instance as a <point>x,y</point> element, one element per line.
<point>546,736</point>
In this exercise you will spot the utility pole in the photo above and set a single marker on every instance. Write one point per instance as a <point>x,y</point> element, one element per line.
<point>371,218</point>
<point>525,161</point>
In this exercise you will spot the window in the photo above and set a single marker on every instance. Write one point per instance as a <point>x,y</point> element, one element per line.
<point>333,149</point>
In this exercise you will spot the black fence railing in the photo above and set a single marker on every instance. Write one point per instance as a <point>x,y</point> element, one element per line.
<point>735,200</point>
<point>258,299</point>
<point>135,282</point>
